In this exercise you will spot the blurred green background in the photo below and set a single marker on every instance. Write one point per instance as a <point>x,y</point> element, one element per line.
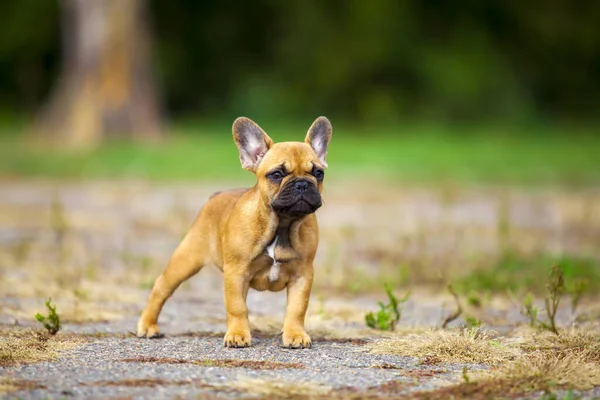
<point>490,91</point>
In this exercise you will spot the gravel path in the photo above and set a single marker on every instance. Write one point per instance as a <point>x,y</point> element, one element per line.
<point>181,366</point>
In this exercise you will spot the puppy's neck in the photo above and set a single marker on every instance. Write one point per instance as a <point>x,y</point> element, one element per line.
<point>277,238</point>
<point>280,247</point>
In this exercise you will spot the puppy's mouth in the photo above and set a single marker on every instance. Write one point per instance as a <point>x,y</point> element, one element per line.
<point>297,198</point>
<point>299,208</point>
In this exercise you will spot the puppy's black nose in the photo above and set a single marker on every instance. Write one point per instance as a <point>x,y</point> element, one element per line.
<point>301,186</point>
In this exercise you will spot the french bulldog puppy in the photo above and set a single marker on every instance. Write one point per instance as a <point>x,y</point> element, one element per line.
<point>263,238</point>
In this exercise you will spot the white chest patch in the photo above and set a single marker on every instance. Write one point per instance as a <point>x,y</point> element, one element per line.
<point>274,272</point>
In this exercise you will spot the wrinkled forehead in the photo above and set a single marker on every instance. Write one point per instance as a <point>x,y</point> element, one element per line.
<point>293,155</point>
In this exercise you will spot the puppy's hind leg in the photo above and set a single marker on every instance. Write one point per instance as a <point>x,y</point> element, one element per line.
<point>186,261</point>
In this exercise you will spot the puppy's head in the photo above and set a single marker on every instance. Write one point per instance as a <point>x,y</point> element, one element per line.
<point>290,174</point>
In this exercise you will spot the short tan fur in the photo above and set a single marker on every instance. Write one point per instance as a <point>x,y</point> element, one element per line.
<point>264,238</point>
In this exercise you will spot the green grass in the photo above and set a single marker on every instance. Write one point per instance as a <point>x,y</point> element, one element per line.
<point>520,274</point>
<point>415,153</point>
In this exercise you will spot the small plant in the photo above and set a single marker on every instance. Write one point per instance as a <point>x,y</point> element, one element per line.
<point>554,396</point>
<point>577,290</point>
<point>530,311</point>
<point>457,313</point>
<point>52,321</point>
<point>389,314</point>
<point>58,221</point>
<point>473,322</point>
<point>556,289</point>
<point>465,375</point>
<point>474,301</point>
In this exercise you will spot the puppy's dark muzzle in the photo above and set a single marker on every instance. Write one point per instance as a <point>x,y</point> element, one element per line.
<point>298,197</point>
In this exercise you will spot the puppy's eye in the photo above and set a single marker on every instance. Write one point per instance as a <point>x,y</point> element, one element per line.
<point>319,174</point>
<point>276,176</point>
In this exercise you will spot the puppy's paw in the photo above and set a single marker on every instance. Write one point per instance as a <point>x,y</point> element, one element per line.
<point>296,339</point>
<point>237,339</point>
<point>149,331</point>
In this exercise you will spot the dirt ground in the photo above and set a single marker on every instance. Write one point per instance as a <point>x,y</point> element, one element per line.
<point>95,249</point>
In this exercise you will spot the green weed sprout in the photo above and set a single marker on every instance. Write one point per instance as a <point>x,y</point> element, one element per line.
<point>389,314</point>
<point>52,321</point>
<point>556,289</point>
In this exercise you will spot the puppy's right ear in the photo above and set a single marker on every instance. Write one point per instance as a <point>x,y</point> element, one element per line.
<point>318,137</point>
<point>252,142</point>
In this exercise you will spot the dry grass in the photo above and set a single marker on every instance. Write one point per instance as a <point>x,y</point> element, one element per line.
<point>18,346</point>
<point>79,286</point>
<point>273,389</point>
<point>546,362</point>
<point>546,371</point>
<point>8,385</point>
<point>583,343</point>
<point>471,390</point>
<point>74,280</point>
<point>60,262</point>
<point>441,346</point>
<point>570,360</point>
<point>542,371</point>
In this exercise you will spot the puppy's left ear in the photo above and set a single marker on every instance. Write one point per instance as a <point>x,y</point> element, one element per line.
<point>318,137</point>
<point>252,142</point>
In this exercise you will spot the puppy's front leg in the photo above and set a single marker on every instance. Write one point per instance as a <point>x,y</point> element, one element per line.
<point>185,262</point>
<point>298,295</point>
<point>236,290</point>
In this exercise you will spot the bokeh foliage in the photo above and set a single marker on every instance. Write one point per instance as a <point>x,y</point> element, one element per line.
<point>381,60</point>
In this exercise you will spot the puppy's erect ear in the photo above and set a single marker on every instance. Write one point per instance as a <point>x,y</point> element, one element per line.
<point>318,137</point>
<point>251,141</point>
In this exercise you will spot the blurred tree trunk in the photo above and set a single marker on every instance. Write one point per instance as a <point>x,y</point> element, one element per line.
<point>106,88</point>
